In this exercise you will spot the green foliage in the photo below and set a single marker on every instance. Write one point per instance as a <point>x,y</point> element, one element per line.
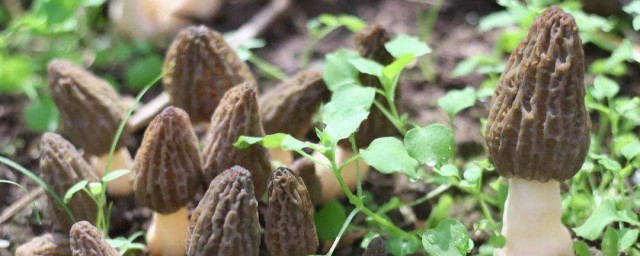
<point>430,145</point>
<point>449,238</point>
<point>329,220</point>
<point>389,155</point>
<point>349,106</point>
<point>457,100</point>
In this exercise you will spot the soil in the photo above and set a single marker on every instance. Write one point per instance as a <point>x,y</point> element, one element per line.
<point>455,38</point>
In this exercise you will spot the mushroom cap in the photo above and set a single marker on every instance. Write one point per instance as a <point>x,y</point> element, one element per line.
<point>87,240</point>
<point>377,247</point>
<point>306,169</point>
<point>370,44</point>
<point>225,222</point>
<point>289,220</point>
<point>90,109</point>
<point>201,67</point>
<point>538,126</point>
<point>289,107</point>
<point>61,166</point>
<point>167,168</point>
<point>236,115</point>
<point>49,244</point>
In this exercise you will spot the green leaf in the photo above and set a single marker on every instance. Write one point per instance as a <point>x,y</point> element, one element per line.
<point>457,100</point>
<point>609,244</point>
<point>472,173</point>
<point>143,71</point>
<point>392,70</point>
<point>602,216</point>
<point>609,164</point>
<point>581,248</point>
<point>93,2</point>
<point>114,175</point>
<point>448,170</point>
<point>14,75</point>
<point>277,140</point>
<point>430,145</point>
<point>353,23</point>
<point>628,238</point>
<point>349,106</point>
<point>367,66</point>
<point>631,150</point>
<point>449,238</point>
<point>440,211</point>
<point>497,241</point>
<point>498,19</point>
<point>74,189</point>
<point>404,44</point>
<point>42,115</point>
<point>95,188</point>
<point>388,155</point>
<point>338,70</point>
<point>603,87</point>
<point>329,220</point>
<point>398,246</point>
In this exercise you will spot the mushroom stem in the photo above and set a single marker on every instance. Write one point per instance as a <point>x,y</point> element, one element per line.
<point>330,186</point>
<point>281,157</point>
<point>167,233</point>
<point>532,220</point>
<point>121,186</point>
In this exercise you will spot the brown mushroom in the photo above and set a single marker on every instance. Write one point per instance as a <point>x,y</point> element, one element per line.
<point>167,175</point>
<point>61,166</point>
<point>225,221</point>
<point>201,67</point>
<point>377,247</point>
<point>289,220</point>
<point>236,115</point>
<point>289,107</point>
<point>87,240</point>
<point>306,169</point>
<point>538,133</point>
<point>49,244</point>
<point>91,112</point>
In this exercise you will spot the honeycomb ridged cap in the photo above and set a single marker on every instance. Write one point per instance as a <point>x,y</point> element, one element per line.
<point>289,220</point>
<point>236,115</point>
<point>61,166</point>
<point>289,107</point>
<point>90,108</point>
<point>167,170</point>
<point>201,67</point>
<point>538,125</point>
<point>87,240</point>
<point>49,244</point>
<point>225,222</point>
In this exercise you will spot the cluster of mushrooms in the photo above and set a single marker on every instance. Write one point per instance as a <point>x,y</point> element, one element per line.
<point>537,135</point>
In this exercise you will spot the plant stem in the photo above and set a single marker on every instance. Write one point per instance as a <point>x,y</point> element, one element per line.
<point>344,227</point>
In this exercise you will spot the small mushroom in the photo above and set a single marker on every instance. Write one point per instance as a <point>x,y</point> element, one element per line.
<point>87,240</point>
<point>49,244</point>
<point>538,133</point>
<point>289,107</point>
<point>289,220</point>
<point>201,67</point>
<point>236,115</point>
<point>61,166</point>
<point>91,112</point>
<point>167,175</point>
<point>377,247</point>
<point>306,169</point>
<point>225,222</point>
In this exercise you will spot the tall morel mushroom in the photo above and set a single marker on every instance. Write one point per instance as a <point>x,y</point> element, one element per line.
<point>225,221</point>
<point>289,107</point>
<point>538,133</point>
<point>236,115</point>
<point>61,166</point>
<point>88,240</point>
<point>91,112</point>
<point>289,220</point>
<point>201,67</point>
<point>49,244</point>
<point>167,175</point>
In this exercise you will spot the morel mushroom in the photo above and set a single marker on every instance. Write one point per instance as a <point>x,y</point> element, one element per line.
<point>538,133</point>
<point>289,107</point>
<point>237,115</point>
<point>225,221</point>
<point>201,67</point>
<point>167,175</point>
<point>91,112</point>
<point>61,166</point>
<point>289,219</point>
<point>377,247</point>
<point>87,240</point>
<point>49,244</point>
